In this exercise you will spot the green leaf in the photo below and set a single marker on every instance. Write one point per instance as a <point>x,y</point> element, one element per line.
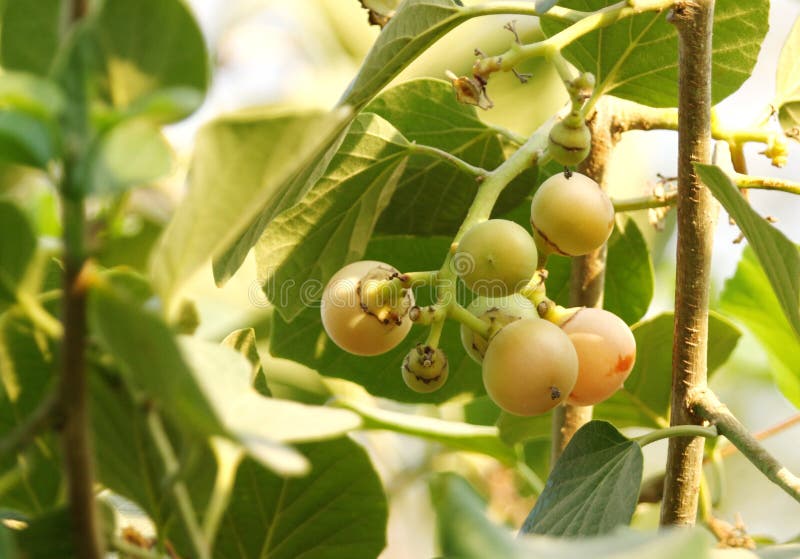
<point>464,531</point>
<point>629,277</point>
<point>333,222</point>
<point>637,57</point>
<point>416,25</point>
<point>32,479</point>
<point>242,170</point>
<point>131,154</point>
<point>8,543</point>
<point>621,544</point>
<point>433,196</point>
<point>26,139</point>
<point>150,45</point>
<point>31,34</point>
<point>147,352</point>
<point>747,297</point>
<point>127,459</point>
<point>244,341</point>
<point>339,510</point>
<point>166,105</point>
<point>225,377</point>
<point>593,487</point>
<point>304,340</point>
<point>30,93</point>
<point>777,254</point>
<point>459,436</point>
<point>17,247</point>
<point>787,95</point>
<point>49,536</point>
<point>644,399</point>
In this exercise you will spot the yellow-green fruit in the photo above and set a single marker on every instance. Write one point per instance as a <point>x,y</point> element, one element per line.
<point>571,216</point>
<point>425,369</point>
<point>496,258</point>
<point>569,145</point>
<point>496,312</point>
<point>530,367</point>
<point>348,325</point>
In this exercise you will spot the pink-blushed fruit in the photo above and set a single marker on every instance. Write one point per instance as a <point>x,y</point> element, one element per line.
<point>606,352</point>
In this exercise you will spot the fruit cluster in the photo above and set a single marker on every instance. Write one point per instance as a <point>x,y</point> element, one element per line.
<point>534,354</point>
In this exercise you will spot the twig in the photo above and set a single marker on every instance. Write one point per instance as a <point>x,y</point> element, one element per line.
<point>706,405</point>
<point>37,421</point>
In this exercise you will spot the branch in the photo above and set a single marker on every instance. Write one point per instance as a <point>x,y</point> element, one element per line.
<point>587,23</point>
<point>696,216</point>
<point>706,405</point>
<point>744,182</point>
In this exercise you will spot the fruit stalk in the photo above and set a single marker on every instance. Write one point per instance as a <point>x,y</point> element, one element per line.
<point>587,277</point>
<point>696,217</point>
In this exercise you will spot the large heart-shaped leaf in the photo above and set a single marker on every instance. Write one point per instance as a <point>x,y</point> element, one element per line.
<point>593,487</point>
<point>637,57</point>
<point>332,223</point>
<point>433,196</point>
<point>338,510</point>
<point>748,298</point>
<point>778,256</point>
<point>242,164</point>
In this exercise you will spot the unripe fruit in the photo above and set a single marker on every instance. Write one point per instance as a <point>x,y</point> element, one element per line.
<point>530,367</point>
<point>496,312</point>
<point>496,258</point>
<point>425,369</point>
<point>569,144</point>
<point>349,325</point>
<point>606,352</point>
<point>571,216</point>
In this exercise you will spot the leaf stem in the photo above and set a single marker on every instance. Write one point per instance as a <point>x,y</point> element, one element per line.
<point>179,490</point>
<point>228,457</point>
<point>37,421</point>
<point>676,431</point>
<point>34,310</point>
<point>457,162</point>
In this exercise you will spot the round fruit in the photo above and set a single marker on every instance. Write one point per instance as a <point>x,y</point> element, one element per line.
<point>351,327</point>
<point>496,258</point>
<point>530,367</point>
<point>425,369</point>
<point>606,353</point>
<point>571,216</point>
<point>497,312</point>
<point>569,145</point>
